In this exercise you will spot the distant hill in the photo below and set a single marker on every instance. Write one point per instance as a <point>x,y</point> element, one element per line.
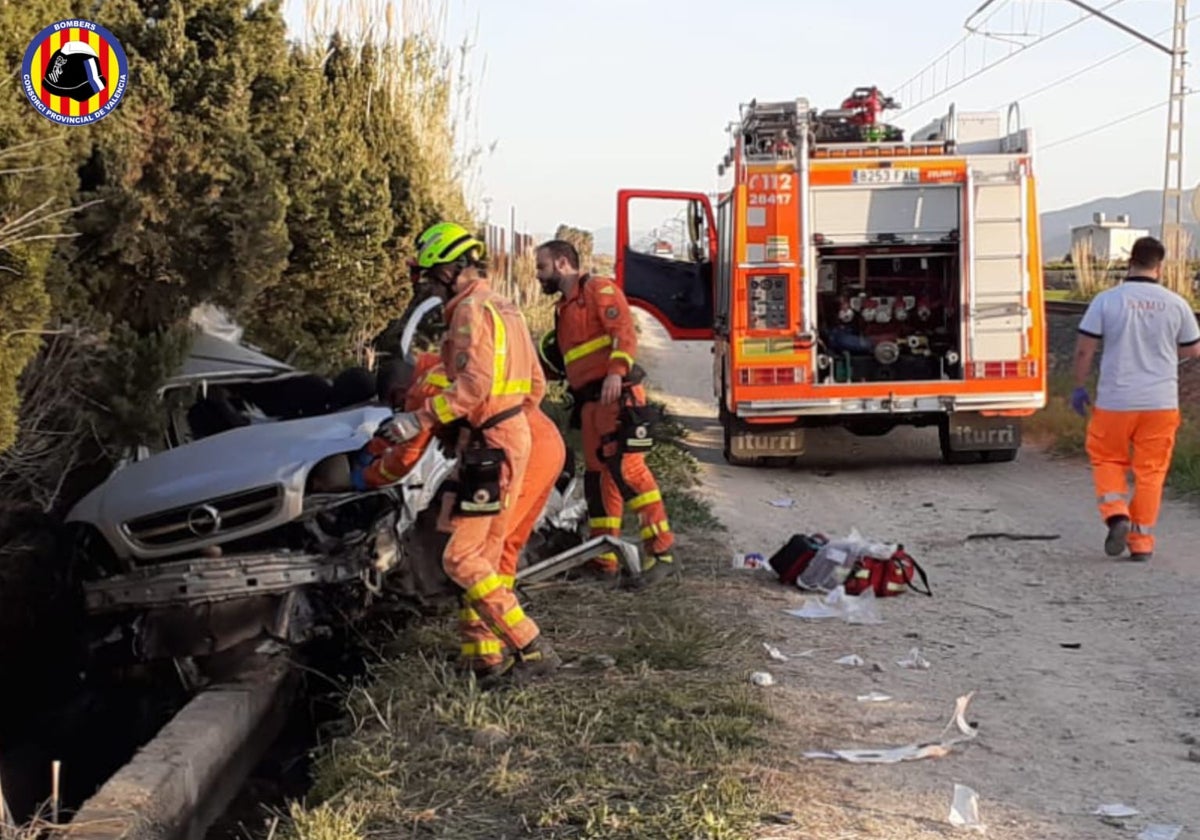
<point>1143,208</point>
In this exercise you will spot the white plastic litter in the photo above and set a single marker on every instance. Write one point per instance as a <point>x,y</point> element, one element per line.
<point>874,697</point>
<point>1156,831</point>
<point>854,609</point>
<point>910,752</point>
<point>762,678</point>
<point>964,809</point>
<point>854,660</point>
<point>783,503</point>
<point>914,660</point>
<point>774,653</point>
<point>1117,810</point>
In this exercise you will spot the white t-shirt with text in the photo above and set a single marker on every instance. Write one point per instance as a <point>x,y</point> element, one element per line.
<point>1142,325</point>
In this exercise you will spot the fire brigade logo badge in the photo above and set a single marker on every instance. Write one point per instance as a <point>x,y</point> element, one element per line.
<point>75,72</point>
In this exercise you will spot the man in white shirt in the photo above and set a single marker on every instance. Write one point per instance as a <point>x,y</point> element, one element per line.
<point>1146,329</point>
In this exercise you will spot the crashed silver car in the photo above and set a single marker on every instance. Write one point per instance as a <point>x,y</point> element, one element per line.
<point>234,532</point>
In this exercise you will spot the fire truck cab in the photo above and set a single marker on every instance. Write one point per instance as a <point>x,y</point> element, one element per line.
<point>848,276</point>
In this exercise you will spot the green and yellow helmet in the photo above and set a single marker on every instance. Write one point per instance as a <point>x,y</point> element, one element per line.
<point>447,242</point>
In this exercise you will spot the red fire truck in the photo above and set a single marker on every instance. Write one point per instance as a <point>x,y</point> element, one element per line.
<point>849,276</point>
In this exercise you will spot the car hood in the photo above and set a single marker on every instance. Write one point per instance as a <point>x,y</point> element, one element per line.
<point>230,462</point>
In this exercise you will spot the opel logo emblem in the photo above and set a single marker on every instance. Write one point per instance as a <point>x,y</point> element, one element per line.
<point>204,521</point>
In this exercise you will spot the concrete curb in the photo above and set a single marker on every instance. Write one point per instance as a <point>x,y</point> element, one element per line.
<point>177,785</point>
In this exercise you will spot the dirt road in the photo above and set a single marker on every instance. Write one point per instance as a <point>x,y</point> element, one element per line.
<point>1085,670</point>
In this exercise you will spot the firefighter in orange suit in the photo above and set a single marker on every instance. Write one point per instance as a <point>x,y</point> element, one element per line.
<point>425,379</point>
<point>490,363</point>
<point>596,337</point>
<point>1146,329</point>
<point>546,461</point>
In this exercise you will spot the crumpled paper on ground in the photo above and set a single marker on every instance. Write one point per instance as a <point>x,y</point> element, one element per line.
<point>910,752</point>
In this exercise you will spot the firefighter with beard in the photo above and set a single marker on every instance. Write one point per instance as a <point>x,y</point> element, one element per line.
<point>595,343</point>
<point>490,364</point>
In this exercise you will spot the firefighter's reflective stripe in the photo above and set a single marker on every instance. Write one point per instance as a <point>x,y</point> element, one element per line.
<point>469,615</point>
<point>437,380</point>
<point>383,471</point>
<point>654,529</point>
<point>587,348</point>
<point>488,648</point>
<point>1141,529</point>
<point>441,407</point>
<point>502,386</point>
<point>621,356</point>
<point>514,616</point>
<point>605,522</point>
<point>1110,497</point>
<point>509,581</point>
<point>639,502</point>
<point>484,588</point>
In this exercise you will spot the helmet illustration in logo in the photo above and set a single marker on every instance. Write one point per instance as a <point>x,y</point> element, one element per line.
<point>74,72</point>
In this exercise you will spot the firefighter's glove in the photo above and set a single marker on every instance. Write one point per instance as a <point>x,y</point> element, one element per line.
<point>400,428</point>
<point>1080,401</point>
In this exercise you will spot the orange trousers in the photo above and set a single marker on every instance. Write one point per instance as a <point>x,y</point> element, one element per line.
<point>490,617</point>
<point>546,459</point>
<point>1141,441</point>
<point>613,480</point>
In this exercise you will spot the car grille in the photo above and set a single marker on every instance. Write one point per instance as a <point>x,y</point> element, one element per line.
<point>220,517</point>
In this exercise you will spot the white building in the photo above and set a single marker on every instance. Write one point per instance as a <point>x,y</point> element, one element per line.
<point>1108,239</point>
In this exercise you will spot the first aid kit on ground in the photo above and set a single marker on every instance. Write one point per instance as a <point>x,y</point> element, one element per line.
<point>815,562</point>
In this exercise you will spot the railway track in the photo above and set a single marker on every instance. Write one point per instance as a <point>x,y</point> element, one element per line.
<point>1074,307</point>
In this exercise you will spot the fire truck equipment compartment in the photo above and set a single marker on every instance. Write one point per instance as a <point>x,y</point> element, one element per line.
<point>889,314</point>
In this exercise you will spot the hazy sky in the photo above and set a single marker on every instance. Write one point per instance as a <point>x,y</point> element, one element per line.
<point>583,97</point>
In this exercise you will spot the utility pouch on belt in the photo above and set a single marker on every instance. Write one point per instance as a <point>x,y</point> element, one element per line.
<point>481,471</point>
<point>635,427</point>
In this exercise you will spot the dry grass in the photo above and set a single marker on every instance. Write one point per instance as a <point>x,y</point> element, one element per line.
<point>1091,275</point>
<point>1178,270</point>
<point>663,744</point>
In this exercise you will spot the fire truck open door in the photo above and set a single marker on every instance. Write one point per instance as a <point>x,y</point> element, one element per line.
<point>677,292</point>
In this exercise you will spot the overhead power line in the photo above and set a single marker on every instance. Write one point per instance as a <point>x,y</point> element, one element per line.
<point>1063,80</point>
<point>1111,123</point>
<point>931,70</point>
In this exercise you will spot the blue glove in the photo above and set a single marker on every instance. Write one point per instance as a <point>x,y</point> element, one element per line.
<point>361,458</point>
<point>1080,399</point>
<point>357,481</point>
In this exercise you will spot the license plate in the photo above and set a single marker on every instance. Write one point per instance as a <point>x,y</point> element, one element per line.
<point>887,175</point>
<point>973,432</point>
<point>784,443</point>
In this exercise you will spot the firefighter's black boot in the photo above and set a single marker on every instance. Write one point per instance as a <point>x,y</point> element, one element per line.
<point>536,659</point>
<point>1118,532</point>
<point>656,567</point>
